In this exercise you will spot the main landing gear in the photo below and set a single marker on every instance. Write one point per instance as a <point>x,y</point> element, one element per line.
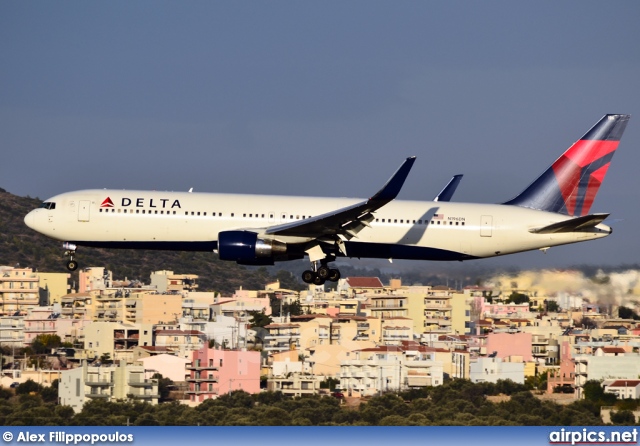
<point>320,273</point>
<point>72,265</point>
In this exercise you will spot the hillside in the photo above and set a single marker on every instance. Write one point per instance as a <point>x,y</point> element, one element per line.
<point>20,245</point>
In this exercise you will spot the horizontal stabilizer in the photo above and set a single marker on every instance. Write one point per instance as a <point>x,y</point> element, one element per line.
<point>572,225</point>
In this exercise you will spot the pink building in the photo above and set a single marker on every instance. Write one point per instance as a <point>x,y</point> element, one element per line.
<point>216,372</point>
<point>510,344</point>
<point>504,310</point>
<point>565,375</point>
<point>39,321</point>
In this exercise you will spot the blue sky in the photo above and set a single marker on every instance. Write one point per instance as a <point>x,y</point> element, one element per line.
<point>320,98</point>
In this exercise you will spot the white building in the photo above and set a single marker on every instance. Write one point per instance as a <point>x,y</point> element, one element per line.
<point>624,388</point>
<point>487,369</point>
<point>383,369</point>
<point>77,386</point>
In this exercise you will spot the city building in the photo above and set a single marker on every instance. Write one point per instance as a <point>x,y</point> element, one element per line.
<point>373,371</point>
<point>215,372</point>
<point>111,383</point>
<point>19,290</point>
<point>168,282</point>
<point>486,369</point>
<point>52,286</point>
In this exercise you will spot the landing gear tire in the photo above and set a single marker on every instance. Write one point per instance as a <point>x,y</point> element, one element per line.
<point>72,265</point>
<point>334,275</point>
<point>318,280</point>
<point>324,272</point>
<point>308,276</point>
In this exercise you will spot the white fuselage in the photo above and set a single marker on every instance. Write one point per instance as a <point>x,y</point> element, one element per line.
<point>192,221</point>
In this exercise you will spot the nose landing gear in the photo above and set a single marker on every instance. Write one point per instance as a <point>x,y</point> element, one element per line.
<point>72,265</point>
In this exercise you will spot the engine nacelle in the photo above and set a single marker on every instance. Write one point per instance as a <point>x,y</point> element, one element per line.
<point>246,248</point>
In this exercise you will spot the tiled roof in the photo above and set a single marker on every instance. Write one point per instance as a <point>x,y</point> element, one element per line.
<point>625,383</point>
<point>364,282</point>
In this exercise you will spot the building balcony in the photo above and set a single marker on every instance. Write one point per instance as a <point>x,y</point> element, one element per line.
<point>434,306</point>
<point>142,383</point>
<point>143,396</point>
<point>202,367</point>
<point>389,306</point>
<point>93,382</point>
<point>212,379</point>
<point>281,336</point>
<point>419,381</point>
<point>97,395</point>
<point>202,392</point>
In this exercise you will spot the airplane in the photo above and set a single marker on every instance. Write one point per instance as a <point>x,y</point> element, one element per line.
<point>262,229</point>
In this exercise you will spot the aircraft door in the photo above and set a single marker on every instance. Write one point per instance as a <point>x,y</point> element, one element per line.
<point>486,226</point>
<point>83,210</point>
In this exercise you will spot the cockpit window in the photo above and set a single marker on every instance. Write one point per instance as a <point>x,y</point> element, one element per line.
<point>48,205</point>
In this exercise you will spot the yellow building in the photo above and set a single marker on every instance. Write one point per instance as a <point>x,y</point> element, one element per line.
<point>18,290</point>
<point>52,286</point>
<point>141,307</point>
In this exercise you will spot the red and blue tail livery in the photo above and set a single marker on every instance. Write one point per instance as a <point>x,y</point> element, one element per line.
<point>570,185</point>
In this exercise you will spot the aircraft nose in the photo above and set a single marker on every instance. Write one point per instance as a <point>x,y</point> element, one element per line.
<point>29,219</point>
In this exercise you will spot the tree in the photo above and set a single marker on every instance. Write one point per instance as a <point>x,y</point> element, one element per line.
<point>518,298</point>
<point>27,387</point>
<point>43,343</point>
<point>625,417</point>
<point>164,386</point>
<point>329,383</point>
<point>593,391</point>
<point>259,319</point>
<point>552,306</point>
<point>587,323</point>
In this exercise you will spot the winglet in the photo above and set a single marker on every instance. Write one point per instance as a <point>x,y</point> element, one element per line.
<point>448,191</point>
<point>392,187</point>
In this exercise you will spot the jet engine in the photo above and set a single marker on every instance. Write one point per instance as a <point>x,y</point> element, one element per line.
<point>246,248</point>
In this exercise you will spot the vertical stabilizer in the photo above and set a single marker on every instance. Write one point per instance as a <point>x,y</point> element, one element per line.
<point>570,185</point>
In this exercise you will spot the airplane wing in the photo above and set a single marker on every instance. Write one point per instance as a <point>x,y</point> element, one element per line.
<point>446,193</point>
<point>572,225</point>
<point>350,220</point>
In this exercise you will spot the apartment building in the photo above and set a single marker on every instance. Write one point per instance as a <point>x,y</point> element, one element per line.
<point>282,337</point>
<point>182,342</point>
<point>19,290</point>
<point>53,286</point>
<point>486,369</point>
<point>381,369</point>
<point>40,321</point>
<point>111,383</point>
<point>295,384</point>
<point>168,282</point>
<point>215,372</point>
<point>624,388</point>
<point>78,305</point>
<point>136,307</point>
<point>605,363</point>
<point>12,331</point>
<point>360,286</point>
<point>116,339</point>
